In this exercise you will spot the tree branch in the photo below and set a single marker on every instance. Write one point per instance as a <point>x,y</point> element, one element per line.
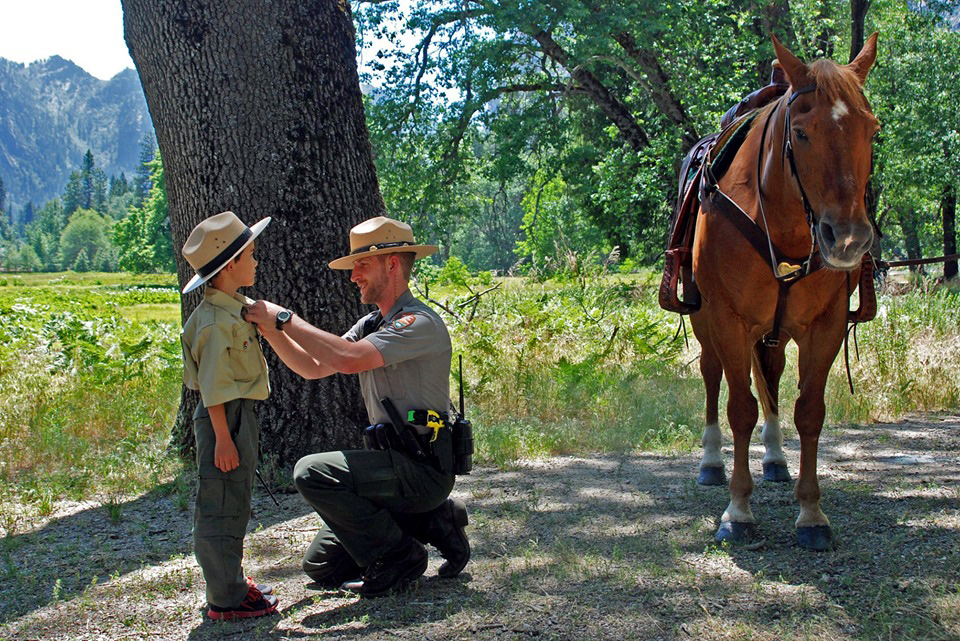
<point>611,107</point>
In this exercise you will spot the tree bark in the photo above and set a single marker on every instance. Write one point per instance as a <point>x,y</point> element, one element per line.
<point>948,208</point>
<point>858,16</point>
<point>658,86</point>
<point>911,239</point>
<point>257,109</point>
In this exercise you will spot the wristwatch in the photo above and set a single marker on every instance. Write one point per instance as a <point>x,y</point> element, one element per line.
<point>283,316</point>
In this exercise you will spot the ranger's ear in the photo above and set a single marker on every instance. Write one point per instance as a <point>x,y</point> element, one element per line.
<point>795,69</point>
<point>865,59</point>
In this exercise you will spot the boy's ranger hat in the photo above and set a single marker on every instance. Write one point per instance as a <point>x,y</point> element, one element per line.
<point>215,242</point>
<point>380,235</point>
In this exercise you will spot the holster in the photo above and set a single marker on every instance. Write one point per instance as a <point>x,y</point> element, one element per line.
<point>384,436</point>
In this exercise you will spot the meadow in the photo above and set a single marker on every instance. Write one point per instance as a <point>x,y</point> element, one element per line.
<point>90,374</point>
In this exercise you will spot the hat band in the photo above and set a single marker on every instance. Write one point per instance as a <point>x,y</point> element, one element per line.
<point>225,255</point>
<point>370,248</point>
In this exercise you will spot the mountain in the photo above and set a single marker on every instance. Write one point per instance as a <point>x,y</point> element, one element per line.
<point>51,112</point>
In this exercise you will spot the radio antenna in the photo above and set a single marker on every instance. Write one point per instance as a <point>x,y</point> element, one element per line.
<point>461,385</point>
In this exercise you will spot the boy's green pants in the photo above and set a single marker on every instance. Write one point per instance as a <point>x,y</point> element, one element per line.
<point>223,502</point>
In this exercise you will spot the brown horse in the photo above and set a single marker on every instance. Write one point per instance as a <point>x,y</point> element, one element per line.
<point>798,182</point>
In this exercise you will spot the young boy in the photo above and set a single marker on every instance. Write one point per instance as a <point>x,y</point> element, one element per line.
<point>222,359</point>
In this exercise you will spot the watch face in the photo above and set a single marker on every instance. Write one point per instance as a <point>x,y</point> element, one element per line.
<point>283,316</point>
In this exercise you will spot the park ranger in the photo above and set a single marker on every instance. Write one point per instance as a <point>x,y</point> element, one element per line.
<point>380,503</point>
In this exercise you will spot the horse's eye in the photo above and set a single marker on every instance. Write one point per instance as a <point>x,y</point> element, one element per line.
<point>799,134</point>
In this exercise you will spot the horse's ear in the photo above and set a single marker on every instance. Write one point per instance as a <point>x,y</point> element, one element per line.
<point>864,60</point>
<point>795,69</point>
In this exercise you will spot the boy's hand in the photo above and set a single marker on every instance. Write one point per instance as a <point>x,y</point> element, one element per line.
<point>225,455</point>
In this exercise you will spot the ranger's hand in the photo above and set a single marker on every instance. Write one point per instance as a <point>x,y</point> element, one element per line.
<point>225,455</point>
<point>263,314</point>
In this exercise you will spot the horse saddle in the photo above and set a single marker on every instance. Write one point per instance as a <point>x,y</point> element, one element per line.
<point>718,149</point>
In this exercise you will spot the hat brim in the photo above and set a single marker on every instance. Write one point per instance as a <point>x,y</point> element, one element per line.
<point>197,280</point>
<point>421,251</point>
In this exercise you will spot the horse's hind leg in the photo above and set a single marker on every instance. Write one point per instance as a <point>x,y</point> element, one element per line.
<point>768,366</point>
<point>711,465</point>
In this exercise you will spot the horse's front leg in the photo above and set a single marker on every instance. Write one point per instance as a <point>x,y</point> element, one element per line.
<point>737,523</point>
<point>816,354</point>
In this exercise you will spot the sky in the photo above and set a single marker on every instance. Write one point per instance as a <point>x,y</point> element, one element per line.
<point>87,32</point>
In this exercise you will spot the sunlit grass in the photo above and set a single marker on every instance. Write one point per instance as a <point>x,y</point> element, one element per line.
<point>90,374</point>
<point>152,313</point>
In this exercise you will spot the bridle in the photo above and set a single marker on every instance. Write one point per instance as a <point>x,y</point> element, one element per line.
<point>780,273</point>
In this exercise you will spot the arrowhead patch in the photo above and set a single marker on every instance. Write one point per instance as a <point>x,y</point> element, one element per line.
<point>404,321</point>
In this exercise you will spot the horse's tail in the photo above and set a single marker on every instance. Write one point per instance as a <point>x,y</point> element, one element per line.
<point>768,396</point>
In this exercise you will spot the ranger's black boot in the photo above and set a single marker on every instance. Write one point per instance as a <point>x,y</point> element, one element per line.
<point>393,571</point>
<point>445,532</point>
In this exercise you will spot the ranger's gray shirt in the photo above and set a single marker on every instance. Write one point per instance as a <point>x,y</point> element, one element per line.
<point>416,354</point>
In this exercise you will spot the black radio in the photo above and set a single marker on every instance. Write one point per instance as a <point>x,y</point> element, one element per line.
<point>462,435</point>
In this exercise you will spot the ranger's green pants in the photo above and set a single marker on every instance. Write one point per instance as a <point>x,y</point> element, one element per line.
<point>223,502</point>
<point>367,499</point>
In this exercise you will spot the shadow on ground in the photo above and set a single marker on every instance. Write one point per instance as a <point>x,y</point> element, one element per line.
<point>602,547</point>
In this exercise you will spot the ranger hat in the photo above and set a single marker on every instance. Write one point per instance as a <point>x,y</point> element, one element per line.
<point>215,242</point>
<point>380,235</point>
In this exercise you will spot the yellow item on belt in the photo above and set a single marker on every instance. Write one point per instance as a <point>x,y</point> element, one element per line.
<point>432,421</point>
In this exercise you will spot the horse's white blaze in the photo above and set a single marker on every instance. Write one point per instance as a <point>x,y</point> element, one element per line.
<point>711,446</point>
<point>839,110</point>
<point>772,437</point>
<point>738,511</point>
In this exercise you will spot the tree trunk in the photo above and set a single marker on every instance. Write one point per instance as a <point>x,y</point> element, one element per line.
<point>911,240</point>
<point>858,16</point>
<point>258,110</point>
<point>948,207</point>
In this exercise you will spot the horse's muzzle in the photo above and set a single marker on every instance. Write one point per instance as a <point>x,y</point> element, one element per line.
<point>842,244</point>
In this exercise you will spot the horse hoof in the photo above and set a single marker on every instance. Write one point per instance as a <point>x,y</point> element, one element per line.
<point>776,472</point>
<point>815,537</point>
<point>712,476</point>
<point>734,532</point>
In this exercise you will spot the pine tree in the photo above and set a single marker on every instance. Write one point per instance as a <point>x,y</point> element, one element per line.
<point>141,182</point>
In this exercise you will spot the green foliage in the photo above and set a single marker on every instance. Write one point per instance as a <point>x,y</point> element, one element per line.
<point>907,358</point>
<point>586,362</point>
<point>491,142</point>
<point>87,233</point>
<point>87,188</point>
<point>143,237</point>
<point>88,395</point>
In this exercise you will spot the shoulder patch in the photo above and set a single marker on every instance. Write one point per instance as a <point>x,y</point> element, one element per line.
<point>404,321</point>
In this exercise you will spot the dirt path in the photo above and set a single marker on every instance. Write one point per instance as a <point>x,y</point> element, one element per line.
<point>597,547</point>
